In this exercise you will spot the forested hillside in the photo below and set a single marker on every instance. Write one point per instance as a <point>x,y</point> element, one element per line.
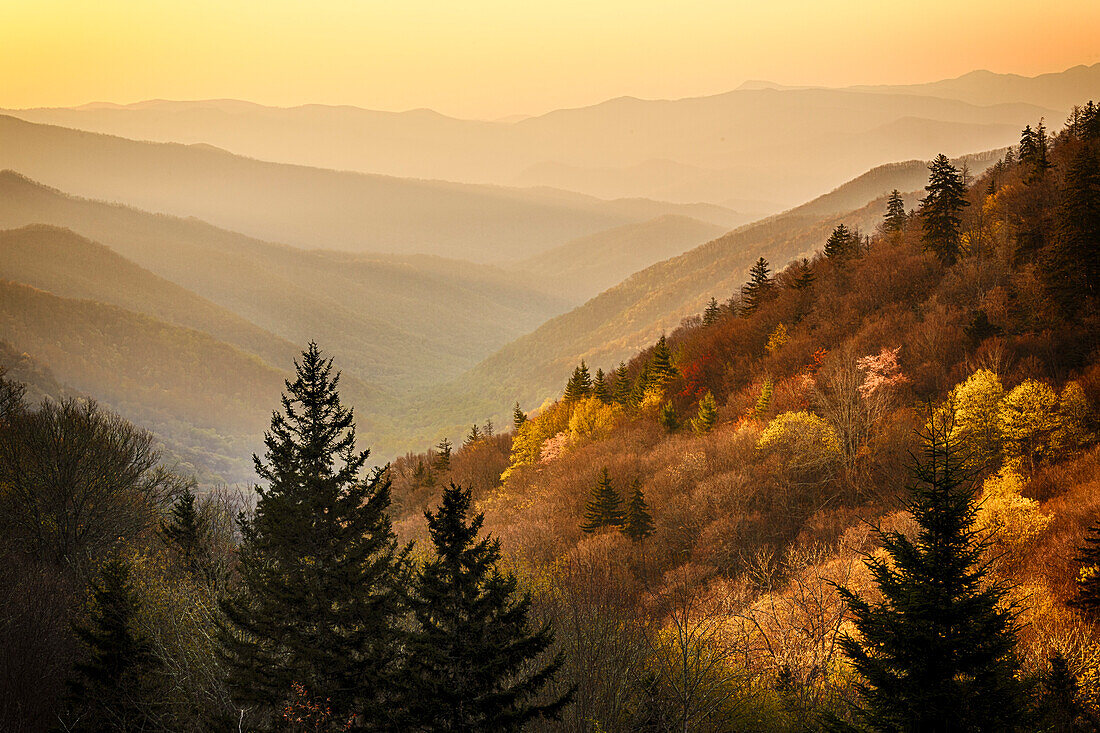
<point>859,494</point>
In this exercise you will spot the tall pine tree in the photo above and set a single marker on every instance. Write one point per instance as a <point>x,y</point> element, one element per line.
<point>605,508</point>
<point>758,289</point>
<point>579,385</point>
<point>941,210</point>
<point>894,220</point>
<point>661,370</point>
<point>707,418</point>
<point>474,663</point>
<point>639,522</point>
<point>622,387</point>
<point>803,276</point>
<point>600,389</point>
<point>841,243</point>
<point>322,579</point>
<point>112,688</point>
<point>711,313</point>
<point>937,653</point>
<point>185,532</point>
<point>1088,579</point>
<point>1075,273</point>
<point>518,417</point>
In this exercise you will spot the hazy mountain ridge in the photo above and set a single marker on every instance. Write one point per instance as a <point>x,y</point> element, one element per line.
<point>314,207</point>
<point>744,144</point>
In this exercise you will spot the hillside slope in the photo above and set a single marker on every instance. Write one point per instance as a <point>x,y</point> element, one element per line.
<point>395,321</point>
<point>624,319</point>
<point>591,264</point>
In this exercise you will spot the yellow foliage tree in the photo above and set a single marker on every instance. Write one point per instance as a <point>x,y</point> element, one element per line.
<point>592,420</point>
<point>804,442</point>
<point>1073,409</point>
<point>1028,420</point>
<point>529,438</point>
<point>1012,520</point>
<point>977,403</point>
<point>778,338</point>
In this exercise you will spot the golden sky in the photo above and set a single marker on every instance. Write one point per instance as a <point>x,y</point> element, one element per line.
<point>490,58</point>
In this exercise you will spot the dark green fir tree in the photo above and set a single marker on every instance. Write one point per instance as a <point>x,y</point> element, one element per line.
<point>622,387</point>
<point>1074,274</point>
<point>473,436</point>
<point>894,220</point>
<point>938,652</point>
<point>1087,599</point>
<point>802,275</point>
<point>605,508</point>
<point>707,418</point>
<point>443,455</point>
<point>518,417</point>
<point>600,388</point>
<point>579,386</point>
<point>941,210</point>
<point>841,243</point>
<point>639,522</point>
<point>112,689</point>
<point>1061,707</point>
<point>474,663</point>
<point>185,532</point>
<point>758,289</point>
<point>323,581</point>
<point>661,370</point>
<point>668,417</point>
<point>711,313</point>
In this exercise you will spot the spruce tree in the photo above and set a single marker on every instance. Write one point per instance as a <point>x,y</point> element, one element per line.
<point>938,652</point>
<point>1074,273</point>
<point>641,385</point>
<point>185,531</point>
<point>600,390</point>
<point>474,663</point>
<point>764,400</point>
<point>668,418</point>
<point>487,431</point>
<point>518,417</point>
<point>1028,151</point>
<point>840,244</point>
<point>622,387</point>
<point>579,385</point>
<point>1060,705</point>
<point>711,313</point>
<point>1088,579</point>
<point>661,370</point>
<point>941,210</point>
<point>894,221</point>
<point>112,688</point>
<point>639,523</point>
<point>473,436</point>
<point>322,579</point>
<point>758,289</point>
<point>443,457</point>
<point>605,508</point>
<point>803,276</point>
<point>707,418</point>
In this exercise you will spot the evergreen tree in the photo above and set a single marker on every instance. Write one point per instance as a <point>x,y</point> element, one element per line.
<point>894,221</point>
<point>322,579</point>
<point>764,400</point>
<point>185,531</point>
<point>579,386</point>
<point>938,652</point>
<point>668,418</point>
<point>1042,163</point>
<point>639,522</point>
<point>443,457</point>
<point>605,508</point>
<point>622,387</point>
<point>518,417</point>
<point>600,390</point>
<point>661,370</point>
<point>841,243</point>
<point>803,275</point>
<point>941,210</point>
<point>707,418</point>
<point>487,431</point>
<point>1028,151</point>
<point>641,385</point>
<point>712,312</point>
<point>111,688</point>
<point>473,436</point>
<point>1075,272</point>
<point>1060,705</point>
<point>758,289</point>
<point>473,660</point>
<point>1088,579</point>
